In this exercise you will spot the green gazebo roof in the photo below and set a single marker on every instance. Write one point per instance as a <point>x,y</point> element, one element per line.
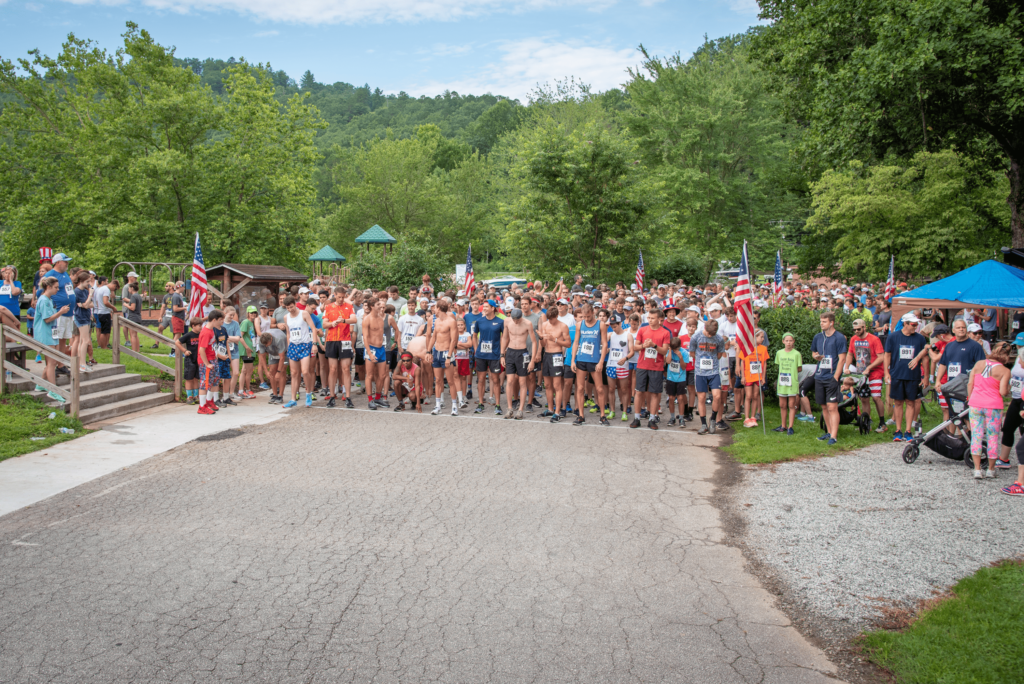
<point>376,236</point>
<point>326,253</point>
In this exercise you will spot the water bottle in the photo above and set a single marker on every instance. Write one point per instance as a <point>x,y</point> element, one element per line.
<point>66,431</point>
<point>51,416</point>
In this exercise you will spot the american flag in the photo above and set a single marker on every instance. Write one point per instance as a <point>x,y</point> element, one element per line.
<point>470,279</point>
<point>890,284</point>
<point>744,306</point>
<point>777,285</point>
<point>640,274</point>
<point>197,299</point>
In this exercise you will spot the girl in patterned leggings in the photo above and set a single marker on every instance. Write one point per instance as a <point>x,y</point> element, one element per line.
<point>988,384</point>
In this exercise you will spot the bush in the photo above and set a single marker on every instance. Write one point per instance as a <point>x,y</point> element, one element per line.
<point>667,268</point>
<point>804,324</point>
<point>403,267</point>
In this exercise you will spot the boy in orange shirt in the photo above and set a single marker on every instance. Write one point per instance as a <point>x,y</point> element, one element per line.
<point>752,369</point>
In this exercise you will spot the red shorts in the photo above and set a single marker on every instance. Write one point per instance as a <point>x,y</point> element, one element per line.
<point>177,326</point>
<point>464,367</point>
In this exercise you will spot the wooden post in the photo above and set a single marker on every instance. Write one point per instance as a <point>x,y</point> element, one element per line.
<point>178,374</point>
<point>116,336</point>
<point>3,361</point>
<point>76,378</point>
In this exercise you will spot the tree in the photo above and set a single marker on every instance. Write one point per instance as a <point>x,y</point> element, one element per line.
<point>308,82</point>
<point>713,133</point>
<point>403,267</point>
<point>879,77</point>
<point>932,213</point>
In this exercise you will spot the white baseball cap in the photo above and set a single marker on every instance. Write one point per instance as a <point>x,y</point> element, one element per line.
<point>715,307</point>
<point>911,318</point>
<point>133,274</point>
<point>974,327</point>
<point>303,290</point>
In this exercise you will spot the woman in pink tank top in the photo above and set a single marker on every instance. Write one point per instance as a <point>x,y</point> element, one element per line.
<point>988,384</point>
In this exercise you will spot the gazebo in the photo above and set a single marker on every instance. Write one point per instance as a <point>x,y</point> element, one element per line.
<point>325,255</point>
<point>376,236</point>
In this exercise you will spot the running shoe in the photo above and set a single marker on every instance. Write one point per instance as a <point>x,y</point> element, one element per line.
<point>171,355</point>
<point>529,407</point>
<point>593,409</point>
<point>556,418</point>
<point>672,421</point>
<point>515,404</point>
<point>155,346</point>
<point>881,428</point>
<point>890,422</point>
<point>535,403</point>
<point>231,402</point>
<point>609,414</point>
<point>625,416</point>
<point>519,415</point>
<point>218,403</point>
<point>309,399</point>
<point>191,401</point>
<point>291,403</point>
<point>635,423</point>
<point>497,411</point>
<point>510,415</point>
<point>546,413</point>
<point>779,429</point>
<point>384,403</point>
<point>463,404</point>
<point>455,410</point>
<point>750,423</point>
<point>703,430</point>
<point>805,417</point>
<point>330,403</point>
<point>722,425</point>
<point>645,414</point>
<point>990,474</point>
<point>588,403</point>
<point>275,399</point>
<point>824,437</point>
<point>832,441</point>
<point>652,424</point>
<point>479,408</point>
<point>56,397</point>
<point>712,426</point>
<point>898,437</point>
<point>400,407</point>
<point>40,388</point>
<point>212,406</point>
<point>348,403</point>
<point>580,420</point>
<point>373,407</point>
<point>735,415</point>
<point>790,432</point>
<point>205,411</point>
<point>1002,465</point>
<point>264,386</point>
<point>978,475</point>
<point>604,421</point>
<point>1013,490</point>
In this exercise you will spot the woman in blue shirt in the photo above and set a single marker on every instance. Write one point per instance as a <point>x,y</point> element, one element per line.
<point>10,298</point>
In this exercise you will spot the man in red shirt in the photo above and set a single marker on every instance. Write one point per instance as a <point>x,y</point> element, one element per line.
<point>339,317</point>
<point>867,356</point>
<point>208,376</point>
<point>652,343</point>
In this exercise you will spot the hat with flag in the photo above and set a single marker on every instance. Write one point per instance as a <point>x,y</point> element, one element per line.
<point>45,254</point>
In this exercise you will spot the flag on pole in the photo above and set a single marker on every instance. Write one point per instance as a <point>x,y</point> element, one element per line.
<point>777,287</point>
<point>199,294</point>
<point>743,303</point>
<point>890,284</point>
<point>470,279</point>
<point>640,274</point>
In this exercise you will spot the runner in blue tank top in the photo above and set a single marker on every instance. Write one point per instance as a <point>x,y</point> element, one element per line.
<point>589,349</point>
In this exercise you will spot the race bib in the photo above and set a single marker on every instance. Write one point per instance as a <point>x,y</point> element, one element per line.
<point>406,339</point>
<point>295,335</point>
<point>587,348</point>
<point>1015,386</point>
<point>906,352</point>
<point>650,353</point>
<point>1016,324</point>
<point>706,364</point>
<point>69,290</point>
<point>952,370</point>
<point>755,367</point>
<point>785,379</point>
<point>346,345</point>
<point>724,374</point>
<point>826,363</point>
<point>615,354</point>
<point>674,368</point>
<point>486,347</point>
<point>221,349</point>
<point>231,347</point>
<point>6,290</point>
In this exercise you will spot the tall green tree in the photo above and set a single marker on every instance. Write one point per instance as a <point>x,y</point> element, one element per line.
<point>878,77</point>
<point>713,133</point>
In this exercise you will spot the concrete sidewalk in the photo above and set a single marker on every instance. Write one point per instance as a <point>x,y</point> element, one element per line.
<point>118,443</point>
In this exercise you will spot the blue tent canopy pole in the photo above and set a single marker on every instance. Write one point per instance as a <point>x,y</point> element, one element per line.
<point>990,284</point>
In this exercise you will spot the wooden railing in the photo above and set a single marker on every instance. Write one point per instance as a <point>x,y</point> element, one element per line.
<point>119,348</point>
<point>70,392</point>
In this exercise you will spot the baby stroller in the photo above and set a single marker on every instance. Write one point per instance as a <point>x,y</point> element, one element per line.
<point>954,447</point>
<point>849,407</point>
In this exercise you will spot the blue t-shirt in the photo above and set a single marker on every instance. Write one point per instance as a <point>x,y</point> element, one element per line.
<point>677,365</point>
<point>830,347</point>
<point>471,320</point>
<point>220,341</point>
<point>31,316</point>
<point>43,331</point>
<point>232,329</point>
<point>960,357</point>
<point>81,313</point>
<point>489,331</point>
<point>65,295</point>
<point>9,301</point>
<point>902,350</point>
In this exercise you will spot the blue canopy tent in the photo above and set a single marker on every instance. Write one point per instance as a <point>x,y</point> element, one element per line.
<point>989,284</point>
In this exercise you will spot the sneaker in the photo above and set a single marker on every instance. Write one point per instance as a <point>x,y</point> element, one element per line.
<point>625,416</point>
<point>171,355</point>
<point>275,399</point>
<point>436,411</point>
<point>580,420</point>
<point>750,423</point>
<point>672,421</point>
<point>510,415</point>
<point>890,422</point>
<point>479,408</point>
<point>191,401</point>
<point>1002,465</point>
<point>635,423</point>
<point>990,474</point>
<point>218,404</point>
<point>1013,490</point>
<point>330,402</point>
<point>898,437</point>
<point>40,388</point>
<point>824,437</point>
<point>455,410</point>
<point>604,421</point>
<point>463,404</point>
<point>790,432</point>
<point>497,411</point>
<point>291,403</point>
<point>348,403</point>
<point>832,441</point>
<point>735,415</point>
<point>230,402</point>
<point>515,405</point>
<point>645,414</point>
<point>806,417</point>
<point>205,411</point>
<point>373,407</point>
<point>535,403</point>
<point>779,429</point>
<point>384,403</point>
<point>593,409</point>
<point>712,426</point>
<point>529,407</point>
<point>56,397</point>
<point>722,425</point>
<point>977,475</point>
<point>309,399</point>
<point>264,386</point>
<point>703,430</point>
<point>212,406</point>
<point>652,424</point>
<point>881,428</point>
<point>609,414</point>
<point>547,413</point>
<point>519,414</point>
<point>555,418</point>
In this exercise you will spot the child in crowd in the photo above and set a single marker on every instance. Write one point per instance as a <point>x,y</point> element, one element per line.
<point>752,375</point>
<point>233,330</point>
<point>188,346</point>
<point>675,385</point>
<point>787,387</point>
<point>223,360</point>
<point>847,389</point>
<point>209,379</point>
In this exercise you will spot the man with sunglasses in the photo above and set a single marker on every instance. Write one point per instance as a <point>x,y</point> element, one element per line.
<point>906,373</point>
<point>866,356</point>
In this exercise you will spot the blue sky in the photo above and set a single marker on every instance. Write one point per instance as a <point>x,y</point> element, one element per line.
<point>421,47</point>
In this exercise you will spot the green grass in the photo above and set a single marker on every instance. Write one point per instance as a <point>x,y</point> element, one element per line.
<point>972,637</point>
<point>750,445</point>
<point>22,418</point>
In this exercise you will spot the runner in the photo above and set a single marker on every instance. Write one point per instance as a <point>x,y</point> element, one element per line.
<point>208,379</point>
<point>588,351</point>
<point>675,385</point>
<point>906,373</point>
<point>464,369</point>
<point>233,329</point>
<point>442,339</point>
<point>789,361</point>
<point>338,319</point>
<point>301,336</point>
<point>554,338</point>
<point>519,364</point>
<point>620,349</point>
<point>866,356</point>
<point>248,355</point>
<point>653,341</point>
<point>188,346</point>
<point>707,348</point>
<point>752,367</point>
<point>376,352</point>
<point>407,383</point>
<point>828,348</point>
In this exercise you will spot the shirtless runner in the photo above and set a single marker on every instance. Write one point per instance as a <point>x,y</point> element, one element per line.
<point>554,337</point>
<point>518,363</point>
<point>443,339</point>
<point>376,356</point>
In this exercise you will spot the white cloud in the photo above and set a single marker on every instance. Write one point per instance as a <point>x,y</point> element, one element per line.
<point>265,34</point>
<point>744,6</point>
<point>526,63</point>
<point>354,11</point>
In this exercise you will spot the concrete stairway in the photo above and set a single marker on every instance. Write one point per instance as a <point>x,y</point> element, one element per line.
<point>106,392</point>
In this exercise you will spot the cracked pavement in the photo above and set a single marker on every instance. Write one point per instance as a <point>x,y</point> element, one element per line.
<point>375,547</point>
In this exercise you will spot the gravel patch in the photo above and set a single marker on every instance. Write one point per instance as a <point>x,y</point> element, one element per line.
<point>851,534</point>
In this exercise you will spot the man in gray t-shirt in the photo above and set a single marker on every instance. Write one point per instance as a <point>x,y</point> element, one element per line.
<point>275,343</point>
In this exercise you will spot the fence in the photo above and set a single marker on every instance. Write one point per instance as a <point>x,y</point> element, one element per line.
<point>118,348</point>
<point>70,392</point>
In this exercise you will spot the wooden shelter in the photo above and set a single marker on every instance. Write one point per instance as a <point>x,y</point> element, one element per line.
<point>376,236</point>
<point>250,284</point>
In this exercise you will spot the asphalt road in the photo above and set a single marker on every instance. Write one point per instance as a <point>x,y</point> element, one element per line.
<point>342,546</point>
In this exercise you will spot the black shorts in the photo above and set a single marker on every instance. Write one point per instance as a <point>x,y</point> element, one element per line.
<point>392,356</point>
<point>549,369</point>
<point>586,366</point>
<point>826,391</point>
<point>191,371</point>
<point>806,386</point>
<point>484,365</point>
<point>691,378</point>
<point>360,359</point>
<point>905,390</point>
<point>334,350</point>
<point>675,389</point>
<point>104,323</point>
<point>649,380</point>
<point>516,362</point>
<point>246,359</point>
